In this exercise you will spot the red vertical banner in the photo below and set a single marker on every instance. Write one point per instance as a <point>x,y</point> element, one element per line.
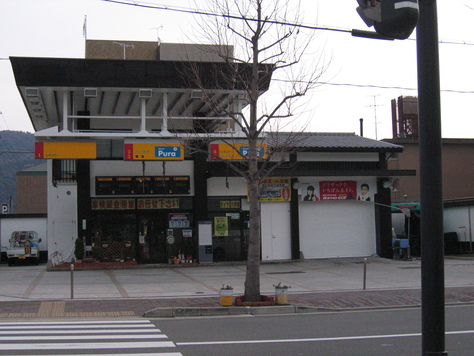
<point>128,151</point>
<point>39,150</point>
<point>214,149</point>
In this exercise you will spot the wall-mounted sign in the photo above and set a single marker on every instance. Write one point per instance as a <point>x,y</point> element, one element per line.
<point>221,226</point>
<point>158,203</point>
<point>150,152</point>
<point>275,189</point>
<point>65,150</point>
<point>113,204</point>
<point>234,152</point>
<point>178,221</point>
<point>337,190</point>
<point>142,185</point>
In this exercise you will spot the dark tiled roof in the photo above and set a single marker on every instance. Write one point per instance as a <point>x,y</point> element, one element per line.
<point>329,141</point>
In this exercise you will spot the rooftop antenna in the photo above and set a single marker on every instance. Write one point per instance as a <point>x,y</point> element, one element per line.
<point>375,113</point>
<point>158,39</point>
<point>124,46</point>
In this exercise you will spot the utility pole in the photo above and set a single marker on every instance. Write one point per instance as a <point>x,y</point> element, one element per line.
<point>404,16</point>
<point>431,193</point>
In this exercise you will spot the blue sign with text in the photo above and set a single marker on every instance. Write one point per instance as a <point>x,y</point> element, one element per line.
<point>168,152</point>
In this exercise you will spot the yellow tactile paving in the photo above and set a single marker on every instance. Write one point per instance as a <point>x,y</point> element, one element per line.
<point>57,309</point>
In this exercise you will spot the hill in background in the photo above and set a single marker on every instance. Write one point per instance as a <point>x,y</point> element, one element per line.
<point>16,154</point>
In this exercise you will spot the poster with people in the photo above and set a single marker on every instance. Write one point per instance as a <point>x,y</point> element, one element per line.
<point>337,190</point>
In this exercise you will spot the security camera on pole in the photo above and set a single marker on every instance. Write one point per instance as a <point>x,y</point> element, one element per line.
<point>393,19</point>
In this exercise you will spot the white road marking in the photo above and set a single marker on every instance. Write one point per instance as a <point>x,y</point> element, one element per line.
<point>60,331</point>
<point>79,327</point>
<point>63,336</point>
<point>79,322</point>
<point>81,337</point>
<point>87,345</point>
<point>140,354</point>
<point>342,338</point>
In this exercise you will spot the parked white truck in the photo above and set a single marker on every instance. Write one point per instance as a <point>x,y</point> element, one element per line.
<point>23,246</point>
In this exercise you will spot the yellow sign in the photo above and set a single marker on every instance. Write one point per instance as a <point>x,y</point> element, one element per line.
<point>150,151</point>
<point>221,226</point>
<point>235,152</point>
<point>158,203</point>
<point>65,150</point>
<point>274,189</point>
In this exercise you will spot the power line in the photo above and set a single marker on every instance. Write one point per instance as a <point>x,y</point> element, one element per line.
<point>375,86</point>
<point>240,17</point>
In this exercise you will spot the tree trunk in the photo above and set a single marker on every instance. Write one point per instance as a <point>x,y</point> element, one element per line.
<point>252,280</point>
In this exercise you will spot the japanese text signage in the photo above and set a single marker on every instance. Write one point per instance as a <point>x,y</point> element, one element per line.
<point>234,152</point>
<point>132,203</point>
<point>337,190</point>
<point>65,150</point>
<point>275,189</point>
<point>113,204</point>
<point>148,151</point>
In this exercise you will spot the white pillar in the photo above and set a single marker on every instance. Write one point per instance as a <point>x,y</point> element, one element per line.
<point>164,125</point>
<point>143,115</point>
<point>65,109</point>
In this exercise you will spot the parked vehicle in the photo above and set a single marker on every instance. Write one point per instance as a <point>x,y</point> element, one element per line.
<point>23,247</point>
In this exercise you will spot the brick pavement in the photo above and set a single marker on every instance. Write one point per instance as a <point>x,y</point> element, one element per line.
<point>121,307</point>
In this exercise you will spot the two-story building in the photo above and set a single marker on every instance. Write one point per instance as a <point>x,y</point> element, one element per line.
<point>118,136</point>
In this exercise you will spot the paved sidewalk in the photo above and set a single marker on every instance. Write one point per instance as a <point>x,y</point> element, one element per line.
<point>159,291</point>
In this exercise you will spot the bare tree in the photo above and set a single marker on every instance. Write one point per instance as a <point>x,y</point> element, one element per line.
<point>267,43</point>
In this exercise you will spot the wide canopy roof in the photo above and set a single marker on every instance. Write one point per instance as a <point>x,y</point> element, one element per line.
<point>117,84</point>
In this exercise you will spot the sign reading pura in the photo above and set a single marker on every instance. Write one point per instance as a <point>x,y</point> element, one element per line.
<point>149,151</point>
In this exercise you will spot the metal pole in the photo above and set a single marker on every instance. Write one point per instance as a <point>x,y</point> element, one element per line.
<point>431,195</point>
<point>72,281</point>
<point>365,272</point>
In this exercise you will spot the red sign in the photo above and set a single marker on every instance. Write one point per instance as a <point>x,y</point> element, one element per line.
<point>338,190</point>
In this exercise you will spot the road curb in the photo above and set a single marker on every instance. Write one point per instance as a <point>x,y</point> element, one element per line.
<point>218,311</point>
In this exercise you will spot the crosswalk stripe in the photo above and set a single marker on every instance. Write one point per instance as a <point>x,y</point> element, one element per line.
<point>75,331</point>
<point>78,322</point>
<point>87,345</point>
<point>110,336</point>
<point>121,354</point>
<point>79,327</point>
<point>81,337</point>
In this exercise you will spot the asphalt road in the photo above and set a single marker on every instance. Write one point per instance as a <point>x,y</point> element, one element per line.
<point>376,332</point>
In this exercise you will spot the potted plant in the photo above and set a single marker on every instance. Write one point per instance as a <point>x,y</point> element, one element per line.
<point>96,253</point>
<point>226,295</point>
<point>281,293</point>
<point>79,249</point>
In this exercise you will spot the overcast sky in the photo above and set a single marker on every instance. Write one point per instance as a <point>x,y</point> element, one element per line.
<point>364,75</point>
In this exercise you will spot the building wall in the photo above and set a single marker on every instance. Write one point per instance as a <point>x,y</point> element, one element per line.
<point>457,169</point>
<point>31,193</point>
<point>461,221</point>
<point>142,50</point>
<point>103,49</point>
<point>62,218</point>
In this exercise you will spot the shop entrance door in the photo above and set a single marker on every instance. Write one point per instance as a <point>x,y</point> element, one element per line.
<point>152,238</point>
<point>276,233</point>
<point>230,236</point>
